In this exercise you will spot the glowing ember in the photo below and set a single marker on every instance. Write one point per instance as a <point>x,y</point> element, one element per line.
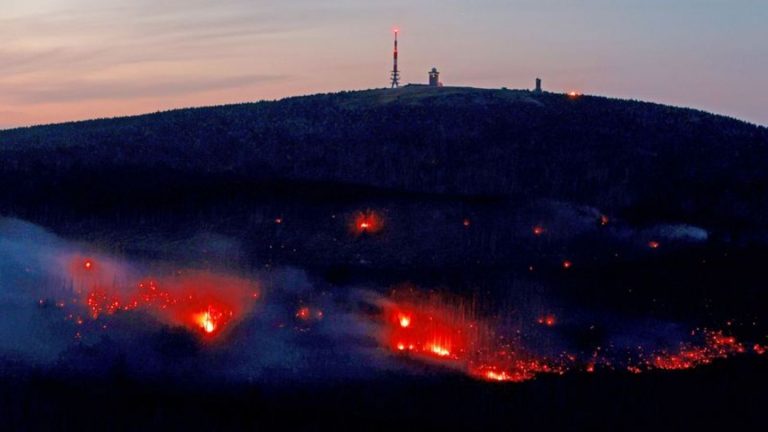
<point>715,346</point>
<point>567,264</point>
<point>547,320</point>
<point>368,222</point>
<point>88,264</point>
<point>441,329</point>
<point>653,244</point>
<point>538,230</point>
<point>303,313</point>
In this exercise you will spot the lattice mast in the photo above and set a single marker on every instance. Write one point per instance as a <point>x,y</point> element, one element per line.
<point>395,77</point>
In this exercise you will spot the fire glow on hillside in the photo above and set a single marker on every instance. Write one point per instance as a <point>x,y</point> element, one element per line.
<point>444,330</point>
<point>200,301</point>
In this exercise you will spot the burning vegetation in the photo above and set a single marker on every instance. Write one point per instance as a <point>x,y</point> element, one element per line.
<point>445,330</point>
<point>203,302</point>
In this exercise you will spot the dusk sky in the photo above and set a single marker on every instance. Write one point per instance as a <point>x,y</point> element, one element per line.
<point>77,59</point>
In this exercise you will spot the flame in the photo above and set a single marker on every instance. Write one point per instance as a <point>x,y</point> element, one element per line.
<point>405,321</point>
<point>206,321</point>
<point>439,350</point>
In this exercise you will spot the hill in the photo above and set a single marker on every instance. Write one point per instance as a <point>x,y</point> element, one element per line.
<point>640,159</point>
<point>459,177</point>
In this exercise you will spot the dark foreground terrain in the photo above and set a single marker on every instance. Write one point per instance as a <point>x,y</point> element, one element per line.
<point>724,396</point>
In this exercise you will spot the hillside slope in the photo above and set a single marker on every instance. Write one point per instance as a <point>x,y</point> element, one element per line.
<point>672,163</point>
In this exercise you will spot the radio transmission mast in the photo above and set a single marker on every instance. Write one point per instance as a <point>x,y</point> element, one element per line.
<point>395,72</point>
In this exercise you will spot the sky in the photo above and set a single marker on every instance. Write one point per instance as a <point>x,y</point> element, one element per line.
<point>64,60</point>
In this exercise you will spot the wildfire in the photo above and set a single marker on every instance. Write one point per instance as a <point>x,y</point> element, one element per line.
<point>442,329</point>
<point>198,301</point>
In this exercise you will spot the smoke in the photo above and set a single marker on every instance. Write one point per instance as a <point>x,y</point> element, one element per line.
<point>566,221</point>
<point>70,307</point>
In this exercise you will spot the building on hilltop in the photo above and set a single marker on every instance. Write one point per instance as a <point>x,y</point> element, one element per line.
<point>434,78</point>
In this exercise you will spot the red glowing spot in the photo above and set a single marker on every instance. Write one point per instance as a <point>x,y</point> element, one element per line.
<point>590,367</point>
<point>759,349</point>
<point>653,244</point>
<point>278,220</point>
<point>88,264</point>
<point>401,346</point>
<point>306,313</point>
<point>303,313</point>
<point>573,94</point>
<point>467,222</point>
<point>567,264</point>
<point>538,230</point>
<point>604,220</point>
<point>547,320</point>
<point>368,222</point>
